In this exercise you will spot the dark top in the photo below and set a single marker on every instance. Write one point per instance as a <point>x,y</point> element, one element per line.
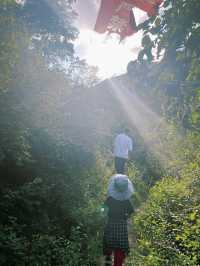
<point>118,210</point>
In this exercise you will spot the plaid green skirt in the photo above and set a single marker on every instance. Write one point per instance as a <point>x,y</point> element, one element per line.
<point>116,236</point>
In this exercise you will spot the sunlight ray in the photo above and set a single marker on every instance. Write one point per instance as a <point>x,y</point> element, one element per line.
<point>149,125</point>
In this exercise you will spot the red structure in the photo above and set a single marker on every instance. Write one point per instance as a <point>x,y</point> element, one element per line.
<point>117,15</point>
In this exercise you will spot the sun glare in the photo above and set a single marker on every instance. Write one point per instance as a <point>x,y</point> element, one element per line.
<point>107,52</point>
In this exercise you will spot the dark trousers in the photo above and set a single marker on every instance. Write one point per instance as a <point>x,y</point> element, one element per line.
<point>119,257</point>
<point>120,165</point>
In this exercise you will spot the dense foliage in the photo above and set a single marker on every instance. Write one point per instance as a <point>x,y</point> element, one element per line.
<point>48,194</point>
<point>167,225</point>
<point>55,153</point>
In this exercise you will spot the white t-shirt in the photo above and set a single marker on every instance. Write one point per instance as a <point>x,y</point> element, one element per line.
<point>122,145</point>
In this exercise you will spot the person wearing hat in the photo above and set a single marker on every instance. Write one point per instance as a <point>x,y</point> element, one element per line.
<point>119,209</point>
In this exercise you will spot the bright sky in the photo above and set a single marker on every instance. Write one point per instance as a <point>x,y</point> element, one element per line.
<point>102,50</point>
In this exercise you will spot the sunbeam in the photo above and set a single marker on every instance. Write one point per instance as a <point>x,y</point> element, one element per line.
<point>149,125</point>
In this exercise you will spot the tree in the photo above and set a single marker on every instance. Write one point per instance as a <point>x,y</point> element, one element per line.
<point>46,180</point>
<point>167,225</point>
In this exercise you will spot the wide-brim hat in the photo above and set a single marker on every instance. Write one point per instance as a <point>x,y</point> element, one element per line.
<point>120,187</point>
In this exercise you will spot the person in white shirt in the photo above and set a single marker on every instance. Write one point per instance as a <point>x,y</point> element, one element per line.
<point>123,144</point>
